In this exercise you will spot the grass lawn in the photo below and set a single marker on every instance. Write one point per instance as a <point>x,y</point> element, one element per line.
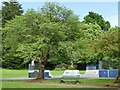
<point>20,84</point>
<point>7,73</point>
<point>55,83</point>
<point>88,81</point>
<point>52,83</point>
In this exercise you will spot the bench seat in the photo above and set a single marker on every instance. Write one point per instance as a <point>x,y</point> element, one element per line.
<point>71,75</point>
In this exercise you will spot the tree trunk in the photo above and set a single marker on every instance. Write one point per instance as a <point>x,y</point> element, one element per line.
<point>41,71</point>
<point>42,62</point>
<point>117,77</point>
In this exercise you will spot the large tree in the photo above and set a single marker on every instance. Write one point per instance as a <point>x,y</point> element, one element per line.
<point>79,49</point>
<point>107,46</point>
<point>39,36</point>
<point>54,12</point>
<point>96,18</point>
<point>10,10</point>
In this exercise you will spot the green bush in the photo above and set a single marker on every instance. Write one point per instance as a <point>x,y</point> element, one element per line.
<point>62,65</point>
<point>63,68</point>
<point>71,68</point>
<point>57,69</point>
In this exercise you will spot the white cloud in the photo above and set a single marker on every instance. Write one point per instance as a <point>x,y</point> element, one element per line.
<point>113,20</point>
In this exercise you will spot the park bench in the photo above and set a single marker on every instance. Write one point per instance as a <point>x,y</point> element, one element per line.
<point>70,75</point>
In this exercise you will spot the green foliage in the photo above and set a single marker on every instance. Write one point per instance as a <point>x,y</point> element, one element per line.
<point>71,68</point>
<point>33,36</point>
<point>10,10</point>
<point>63,68</point>
<point>106,48</point>
<point>62,65</point>
<point>55,13</point>
<point>108,43</point>
<point>96,18</point>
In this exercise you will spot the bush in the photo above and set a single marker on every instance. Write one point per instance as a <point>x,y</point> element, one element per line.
<point>10,67</point>
<point>75,66</point>
<point>62,65</point>
<point>71,68</point>
<point>57,69</point>
<point>65,65</point>
<point>58,66</point>
<point>63,68</point>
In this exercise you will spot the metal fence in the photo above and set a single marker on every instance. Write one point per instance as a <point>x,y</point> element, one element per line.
<point>108,64</point>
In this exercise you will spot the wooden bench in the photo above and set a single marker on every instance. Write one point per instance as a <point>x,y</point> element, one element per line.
<point>70,75</point>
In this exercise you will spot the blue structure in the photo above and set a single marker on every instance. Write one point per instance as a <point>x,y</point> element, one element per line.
<point>113,73</point>
<point>46,74</point>
<point>108,73</point>
<point>103,73</point>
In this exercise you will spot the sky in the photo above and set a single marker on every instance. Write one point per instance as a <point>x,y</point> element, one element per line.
<point>109,10</point>
<point>119,14</point>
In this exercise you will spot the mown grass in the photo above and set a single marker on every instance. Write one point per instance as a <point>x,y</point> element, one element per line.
<point>88,81</point>
<point>97,81</point>
<point>7,73</point>
<point>13,84</point>
<point>56,73</point>
<point>55,83</point>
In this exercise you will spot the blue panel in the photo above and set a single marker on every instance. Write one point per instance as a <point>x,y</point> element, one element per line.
<point>46,74</point>
<point>103,73</point>
<point>113,73</point>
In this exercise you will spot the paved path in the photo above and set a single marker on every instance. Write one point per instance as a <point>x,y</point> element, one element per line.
<point>26,78</point>
<point>56,77</point>
<point>21,78</point>
<point>93,76</point>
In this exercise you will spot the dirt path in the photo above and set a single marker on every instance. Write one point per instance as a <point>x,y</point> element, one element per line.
<point>70,84</point>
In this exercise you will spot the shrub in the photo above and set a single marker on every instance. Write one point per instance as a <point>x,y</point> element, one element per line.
<point>63,68</point>
<point>10,67</point>
<point>62,65</point>
<point>71,68</point>
<point>65,65</point>
<point>57,69</point>
<point>59,66</point>
<point>75,66</point>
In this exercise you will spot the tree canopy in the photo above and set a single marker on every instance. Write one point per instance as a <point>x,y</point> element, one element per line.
<point>96,18</point>
<point>38,38</point>
<point>10,10</point>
